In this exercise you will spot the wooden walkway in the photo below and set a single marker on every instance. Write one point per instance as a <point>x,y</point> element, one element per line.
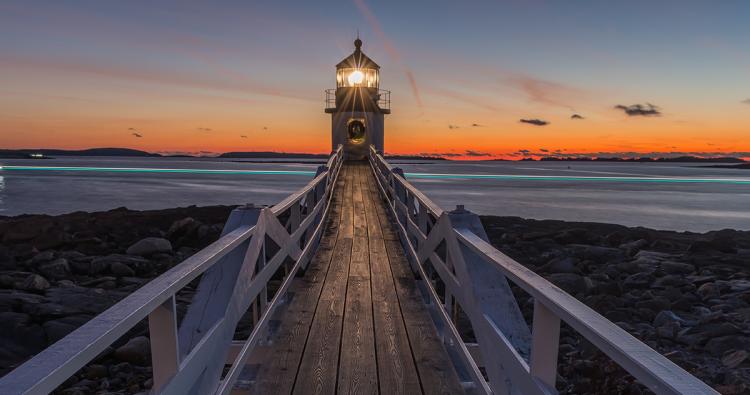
<point>355,322</point>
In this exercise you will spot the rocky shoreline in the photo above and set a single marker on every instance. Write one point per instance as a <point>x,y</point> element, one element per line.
<point>685,294</point>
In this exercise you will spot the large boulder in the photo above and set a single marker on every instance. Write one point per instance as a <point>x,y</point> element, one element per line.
<point>34,283</point>
<point>150,246</point>
<point>120,269</point>
<point>138,264</point>
<point>20,338</point>
<point>55,270</point>
<point>568,282</point>
<point>137,351</point>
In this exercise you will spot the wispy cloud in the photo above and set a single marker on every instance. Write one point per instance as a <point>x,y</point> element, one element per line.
<point>204,129</point>
<point>451,127</point>
<point>746,101</point>
<point>545,92</point>
<point>476,153</point>
<point>389,47</point>
<point>476,125</point>
<point>534,121</point>
<point>576,116</point>
<point>640,110</point>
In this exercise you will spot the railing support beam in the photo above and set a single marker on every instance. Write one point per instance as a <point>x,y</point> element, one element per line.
<point>165,353</point>
<point>545,343</point>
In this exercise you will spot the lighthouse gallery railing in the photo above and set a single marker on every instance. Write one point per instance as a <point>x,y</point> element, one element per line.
<point>236,270</point>
<point>451,248</point>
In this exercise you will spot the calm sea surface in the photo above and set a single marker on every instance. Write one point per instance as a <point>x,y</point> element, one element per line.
<point>678,206</point>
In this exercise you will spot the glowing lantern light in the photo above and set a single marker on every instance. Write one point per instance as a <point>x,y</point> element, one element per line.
<point>356,77</point>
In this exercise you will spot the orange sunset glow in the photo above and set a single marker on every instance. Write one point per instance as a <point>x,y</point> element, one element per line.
<point>217,88</point>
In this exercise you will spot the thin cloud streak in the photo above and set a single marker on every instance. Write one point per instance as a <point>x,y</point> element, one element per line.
<point>389,47</point>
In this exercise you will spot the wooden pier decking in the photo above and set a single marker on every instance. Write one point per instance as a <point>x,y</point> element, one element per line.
<point>355,322</point>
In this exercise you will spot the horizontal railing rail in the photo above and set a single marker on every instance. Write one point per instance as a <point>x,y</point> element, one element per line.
<point>452,248</point>
<point>235,271</point>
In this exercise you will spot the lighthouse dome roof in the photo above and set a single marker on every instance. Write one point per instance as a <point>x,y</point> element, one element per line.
<point>357,60</point>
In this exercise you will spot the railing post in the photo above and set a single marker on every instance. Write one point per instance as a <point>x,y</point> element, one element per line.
<point>216,285</point>
<point>492,303</point>
<point>545,343</point>
<point>165,353</point>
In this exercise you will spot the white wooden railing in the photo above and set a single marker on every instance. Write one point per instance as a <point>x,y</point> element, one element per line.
<point>459,269</point>
<point>236,271</point>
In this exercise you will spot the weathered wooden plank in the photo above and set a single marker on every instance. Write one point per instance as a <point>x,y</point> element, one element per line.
<point>396,371</point>
<point>277,374</point>
<point>357,363</point>
<point>319,367</point>
<point>435,369</point>
<point>358,366</point>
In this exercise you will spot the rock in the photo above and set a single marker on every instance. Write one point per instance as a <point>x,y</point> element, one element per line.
<point>739,285</point>
<point>668,330</point>
<point>718,329</point>
<point>150,246</point>
<point>561,265</point>
<point>20,338</point>
<point>120,269</point>
<point>7,260</point>
<point>638,280</point>
<point>55,270</point>
<point>34,283</point>
<point>667,316</point>
<point>95,371</point>
<point>59,328</point>
<point>653,255</point>
<point>718,244</point>
<point>633,247</point>
<point>182,227</point>
<point>708,290</point>
<point>71,255</point>
<point>42,257</point>
<point>138,264</point>
<point>734,358</point>
<point>88,266</point>
<point>575,236</point>
<point>597,253</point>
<point>568,282</point>
<point>720,345</point>
<point>672,267</point>
<point>6,281</point>
<point>137,351</point>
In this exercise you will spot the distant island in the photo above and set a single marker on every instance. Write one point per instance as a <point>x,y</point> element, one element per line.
<point>678,159</point>
<point>44,153</point>
<point>271,154</point>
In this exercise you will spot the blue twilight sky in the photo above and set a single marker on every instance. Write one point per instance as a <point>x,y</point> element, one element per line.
<point>195,76</point>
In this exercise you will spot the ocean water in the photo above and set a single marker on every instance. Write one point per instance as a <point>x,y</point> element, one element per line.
<point>694,206</point>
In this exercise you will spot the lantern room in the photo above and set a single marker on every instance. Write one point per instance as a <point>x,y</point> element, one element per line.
<point>357,70</point>
<point>357,105</point>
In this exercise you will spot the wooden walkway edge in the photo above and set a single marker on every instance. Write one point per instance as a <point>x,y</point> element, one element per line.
<point>355,323</point>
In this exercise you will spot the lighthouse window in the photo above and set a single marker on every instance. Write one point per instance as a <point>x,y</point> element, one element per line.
<point>350,77</point>
<point>356,131</point>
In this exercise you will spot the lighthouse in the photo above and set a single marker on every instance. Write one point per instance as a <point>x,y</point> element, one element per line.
<point>357,105</point>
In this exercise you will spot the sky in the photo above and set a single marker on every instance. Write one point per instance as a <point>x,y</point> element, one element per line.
<point>469,79</point>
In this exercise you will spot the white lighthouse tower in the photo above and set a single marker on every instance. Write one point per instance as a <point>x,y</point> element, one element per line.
<point>357,105</point>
